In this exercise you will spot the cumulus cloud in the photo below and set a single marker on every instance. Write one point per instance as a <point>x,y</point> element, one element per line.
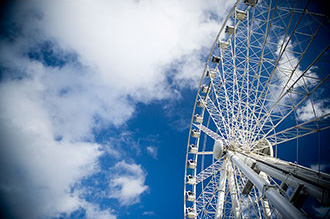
<point>312,110</point>
<point>284,75</point>
<point>115,61</point>
<point>135,51</point>
<point>127,183</point>
<point>37,172</point>
<point>69,69</point>
<point>286,79</point>
<point>93,211</point>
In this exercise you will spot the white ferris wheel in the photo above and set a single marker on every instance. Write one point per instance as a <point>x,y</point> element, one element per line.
<point>263,91</point>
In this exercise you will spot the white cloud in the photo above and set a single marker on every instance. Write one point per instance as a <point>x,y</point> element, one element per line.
<point>309,111</point>
<point>127,183</point>
<point>284,79</point>
<point>149,213</point>
<point>122,60</point>
<point>131,43</point>
<point>152,151</point>
<point>287,63</point>
<point>93,211</point>
<point>37,171</point>
<point>48,112</point>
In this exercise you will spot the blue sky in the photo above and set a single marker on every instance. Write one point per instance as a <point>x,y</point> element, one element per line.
<point>95,105</point>
<point>96,100</point>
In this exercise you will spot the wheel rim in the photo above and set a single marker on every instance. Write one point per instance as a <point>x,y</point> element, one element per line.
<point>260,78</point>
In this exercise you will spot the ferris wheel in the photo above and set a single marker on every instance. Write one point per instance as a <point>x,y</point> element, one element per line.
<point>261,105</point>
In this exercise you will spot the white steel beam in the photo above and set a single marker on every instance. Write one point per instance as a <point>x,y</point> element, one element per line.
<point>282,205</point>
<point>316,191</point>
<point>264,202</point>
<point>233,192</point>
<point>222,187</point>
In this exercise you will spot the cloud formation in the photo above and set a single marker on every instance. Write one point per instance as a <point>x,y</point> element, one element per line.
<point>70,69</point>
<point>309,111</point>
<point>37,171</point>
<point>127,183</point>
<point>152,151</point>
<point>298,80</point>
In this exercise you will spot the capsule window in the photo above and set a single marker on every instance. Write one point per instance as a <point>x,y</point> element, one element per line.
<point>205,88</point>
<point>211,73</point>
<point>216,59</point>
<point>251,2</point>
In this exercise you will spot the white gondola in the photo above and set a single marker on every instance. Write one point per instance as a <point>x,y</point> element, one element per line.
<point>191,213</point>
<point>230,30</point>
<point>191,180</point>
<point>240,15</point>
<point>192,164</point>
<point>223,45</point>
<point>195,133</point>
<point>216,59</point>
<point>201,103</point>
<point>251,2</point>
<point>193,149</point>
<point>190,196</point>
<point>198,118</point>
<point>211,73</point>
<point>205,88</point>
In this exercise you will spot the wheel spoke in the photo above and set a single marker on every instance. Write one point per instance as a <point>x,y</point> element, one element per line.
<point>263,86</point>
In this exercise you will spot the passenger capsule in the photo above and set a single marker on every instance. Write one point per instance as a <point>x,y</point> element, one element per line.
<point>205,88</point>
<point>190,196</point>
<point>211,73</point>
<point>230,30</point>
<point>223,45</point>
<point>192,164</point>
<point>191,180</point>
<point>195,133</point>
<point>193,149</point>
<point>198,118</point>
<point>240,15</point>
<point>191,213</point>
<point>201,103</point>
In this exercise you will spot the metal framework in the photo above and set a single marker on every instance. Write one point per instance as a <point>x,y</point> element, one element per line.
<point>263,89</point>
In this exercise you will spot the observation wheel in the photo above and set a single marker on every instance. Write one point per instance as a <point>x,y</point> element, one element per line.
<point>260,109</point>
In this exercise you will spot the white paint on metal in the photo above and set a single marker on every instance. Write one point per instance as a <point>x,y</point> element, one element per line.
<point>221,190</point>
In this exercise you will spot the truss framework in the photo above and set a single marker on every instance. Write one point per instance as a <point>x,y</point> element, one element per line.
<point>262,88</point>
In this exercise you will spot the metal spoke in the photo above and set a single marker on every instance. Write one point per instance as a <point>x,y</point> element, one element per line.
<point>263,89</point>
